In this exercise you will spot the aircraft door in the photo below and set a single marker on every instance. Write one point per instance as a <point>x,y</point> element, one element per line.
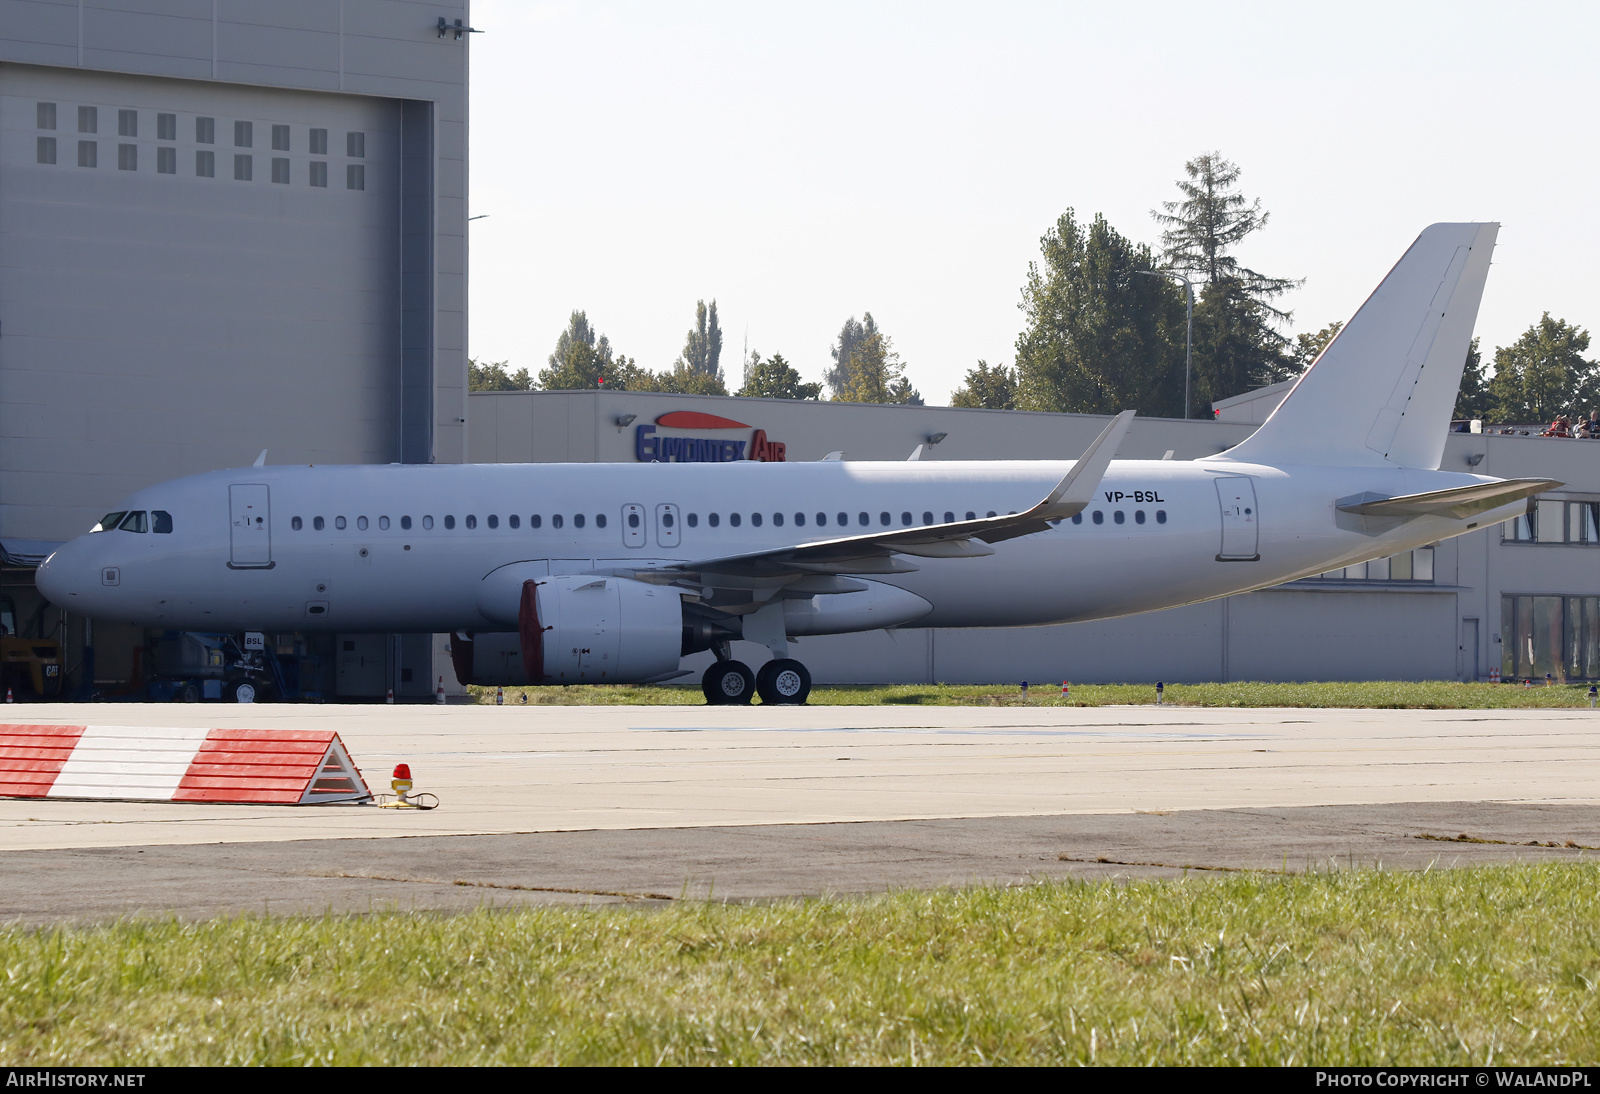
<point>633,526</point>
<point>1240,519</point>
<point>667,525</point>
<point>251,532</point>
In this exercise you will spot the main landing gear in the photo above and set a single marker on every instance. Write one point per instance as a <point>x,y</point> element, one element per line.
<point>782,681</point>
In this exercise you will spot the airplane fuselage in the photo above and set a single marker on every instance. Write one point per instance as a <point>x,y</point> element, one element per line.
<point>408,548</point>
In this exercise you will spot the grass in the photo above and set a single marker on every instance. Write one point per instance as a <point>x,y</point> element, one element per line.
<point>1495,965</point>
<point>1392,694</point>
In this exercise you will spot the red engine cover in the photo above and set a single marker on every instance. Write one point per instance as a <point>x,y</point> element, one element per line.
<point>531,633</point>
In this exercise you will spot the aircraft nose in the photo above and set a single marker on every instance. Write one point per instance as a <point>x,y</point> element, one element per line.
<point>61,577</point>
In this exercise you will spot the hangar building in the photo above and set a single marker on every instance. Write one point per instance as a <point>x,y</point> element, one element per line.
<point>225,226</point>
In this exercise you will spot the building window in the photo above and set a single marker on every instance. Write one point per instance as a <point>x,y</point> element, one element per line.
<point>319,142</point>
<point>127,157</point>
<point>1554,521</point>
<point>205,165</point>
<point>355,145</point>
<point>167,161</point>
<point>127,123</point>
<point>88,119</point>
<point>244,134</point>
<point>45,115</point>
<point>46,151</point>
<point>88,154</point>
<point>243,168</point>
<point>166,127</point>
<point>280,169</point>
<point>280,138</point>
<point>1556,636</point>
<point>319,173</point>
<point>205,131</point>
<point>355,177</point>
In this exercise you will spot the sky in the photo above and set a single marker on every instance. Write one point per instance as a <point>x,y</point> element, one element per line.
<point>803,164</point>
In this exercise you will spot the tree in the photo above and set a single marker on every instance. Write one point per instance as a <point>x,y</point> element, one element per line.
<point>1474,400</point>
<point>874,374</point>
<point>1542,373</point>
<point>1304,349</point>
<point>1209,222</point>
<point>774,379</point>
<point>494,377</point>
<point>851,335</point>
<point>581,359</point>
<point>989,388</point>
<point>1236,345</point>
<point>702,350</point>
<point>1099,336</point>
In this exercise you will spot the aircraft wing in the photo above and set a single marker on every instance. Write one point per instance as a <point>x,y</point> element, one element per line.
<point>875,552</point>
<point>1458,503</point>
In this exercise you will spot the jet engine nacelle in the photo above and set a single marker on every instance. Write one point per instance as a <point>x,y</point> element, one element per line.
<point>583,629</point>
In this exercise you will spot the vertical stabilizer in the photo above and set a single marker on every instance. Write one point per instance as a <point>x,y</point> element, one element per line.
<point>1381,394</point>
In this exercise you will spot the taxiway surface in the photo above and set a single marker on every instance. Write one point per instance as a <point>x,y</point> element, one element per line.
<point>561,803</point>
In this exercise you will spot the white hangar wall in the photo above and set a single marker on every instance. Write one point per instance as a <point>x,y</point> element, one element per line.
<point>224,226</point>
<point>1343,626</point>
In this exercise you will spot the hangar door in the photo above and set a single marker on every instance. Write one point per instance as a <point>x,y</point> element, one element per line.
<point>192,271</point>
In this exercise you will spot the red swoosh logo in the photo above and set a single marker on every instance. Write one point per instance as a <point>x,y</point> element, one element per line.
<point>694,419</point>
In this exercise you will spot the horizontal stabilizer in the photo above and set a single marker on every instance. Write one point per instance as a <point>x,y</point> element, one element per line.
<point>1457,504</point>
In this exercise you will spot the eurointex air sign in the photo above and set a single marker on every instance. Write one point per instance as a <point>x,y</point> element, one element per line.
<point>721,447</point>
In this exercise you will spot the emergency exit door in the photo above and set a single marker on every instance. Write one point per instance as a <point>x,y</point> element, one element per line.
<point>251,531</point>
<point>1241,523</point>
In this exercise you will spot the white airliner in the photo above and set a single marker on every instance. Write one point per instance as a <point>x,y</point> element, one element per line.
<point>602,573</point>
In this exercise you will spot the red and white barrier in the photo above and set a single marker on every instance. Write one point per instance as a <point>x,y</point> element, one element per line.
<point>143,763</point>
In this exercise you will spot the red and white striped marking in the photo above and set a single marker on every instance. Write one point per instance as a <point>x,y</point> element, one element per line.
<point>141,763</point>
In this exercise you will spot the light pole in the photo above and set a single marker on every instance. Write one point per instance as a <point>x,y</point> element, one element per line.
<point>1188,333</point>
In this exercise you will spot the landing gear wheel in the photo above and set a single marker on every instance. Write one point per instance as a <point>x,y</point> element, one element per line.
<point>783,682</point>
<point>728,683</point>
<point>187,694</point>
<point>243,692</point>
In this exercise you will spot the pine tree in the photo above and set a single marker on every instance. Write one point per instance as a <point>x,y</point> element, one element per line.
<point>1237,345</point>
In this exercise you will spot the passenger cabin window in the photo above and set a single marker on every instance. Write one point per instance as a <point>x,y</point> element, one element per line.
<point>514,521</point>
<point>296,523</point>
<point>472,521</point>
<point>338,522</point>
<point>494,521</point>
<point>599,520</point>
<point>555,521</point>
<point>318,523</point>
<point>427,522</point>
<point>733,519</point>
<point>405,522</point>
<point>755,520</point>
<point>694,520</point>
<point>713,520</point>
<point>577,520</point>
<point>449,522</point>
<point>383,523</point>
<point>109,521</point>
<point>534,521</point>
<point>361,523</point>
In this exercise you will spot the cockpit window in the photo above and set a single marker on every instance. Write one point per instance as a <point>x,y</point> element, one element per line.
<point>134,522</point>
<point>161,521</point>
<point>109,521</point>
